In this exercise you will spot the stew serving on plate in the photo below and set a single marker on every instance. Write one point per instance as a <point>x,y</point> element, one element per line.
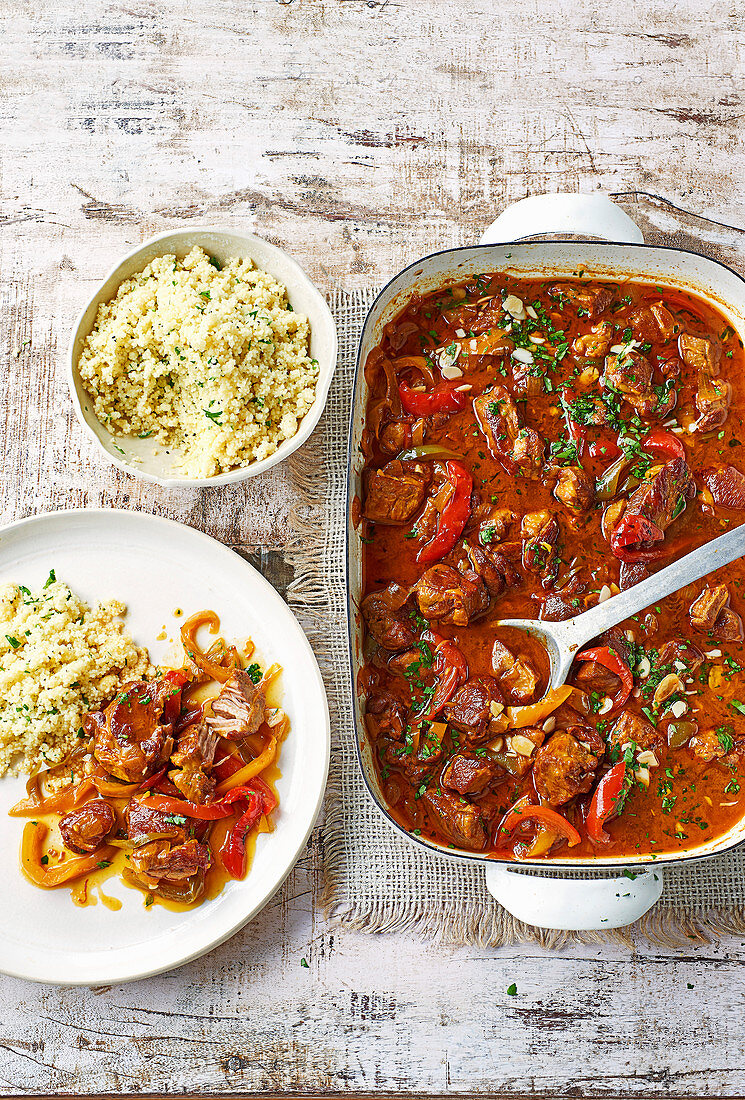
<point>531,448</point>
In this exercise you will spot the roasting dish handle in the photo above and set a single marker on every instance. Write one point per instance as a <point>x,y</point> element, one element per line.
<point>579,215</point>
<point>574,905</point>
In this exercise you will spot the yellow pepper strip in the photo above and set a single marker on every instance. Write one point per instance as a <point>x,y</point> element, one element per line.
<point>263,760</point>
<point>534,713</point>
<point>34,835</point>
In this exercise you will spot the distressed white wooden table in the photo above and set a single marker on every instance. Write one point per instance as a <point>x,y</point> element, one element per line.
<point>359,134</point>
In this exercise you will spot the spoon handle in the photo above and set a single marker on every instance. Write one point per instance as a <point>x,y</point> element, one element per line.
<point>707,558</point>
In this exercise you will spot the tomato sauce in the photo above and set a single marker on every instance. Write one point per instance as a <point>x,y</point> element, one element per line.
<point>590,370</point>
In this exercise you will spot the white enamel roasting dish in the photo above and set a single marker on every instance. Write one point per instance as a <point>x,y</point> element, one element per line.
<point>589,901</point>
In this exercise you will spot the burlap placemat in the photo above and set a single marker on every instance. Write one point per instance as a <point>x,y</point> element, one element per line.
<point>374,880</point>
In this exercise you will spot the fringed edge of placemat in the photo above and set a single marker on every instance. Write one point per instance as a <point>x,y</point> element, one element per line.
<point>666,926</point>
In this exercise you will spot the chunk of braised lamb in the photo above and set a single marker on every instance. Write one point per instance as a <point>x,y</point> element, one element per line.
<point>446,595</point>
<point>528,453</point>
<point>502,658</point>
<point>387,620</point>
<point>726,485</point>
<point>129,740</point>
<point>708,745</point>
<point>653,322</point>
<point>540,531</point>
<point>714,394</point>
<point>493,524</point>
<point>408,662</point>
<point>556,609</point>
<point>728,627</point>
<point>394,494</point>
<point>496,413</point>
<point>630,574</point>
<point>467,774</point>
<point>520,681</point>
<point>592,411</point>
<point>680,655</point>
<point>86,828</point>
<point>699,353</point>
<point>565,716</point>
<point>671,366</point>
<point>595,343</point>
<point>176,872</point>
<point>630,728</point>
<point>631,374</point>
<point>592,676</point>
<point>564,767</point>
<point>713,400</point>
<point>496,570</point>
<point>663,496</point>
<point>386,716</point>
<point>706,608</point>
<point>473,706</point>
<point>142,823</point>
<point>574,489</point>
<point>616,640</point>
<point>592,300</point>
<point>457,818</point>
<point>528,382</point>
<point>238,710</point>
<point>394,437</point>
<point>193,756</point>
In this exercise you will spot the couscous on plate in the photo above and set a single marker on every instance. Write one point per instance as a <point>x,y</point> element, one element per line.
<point>58,657</point>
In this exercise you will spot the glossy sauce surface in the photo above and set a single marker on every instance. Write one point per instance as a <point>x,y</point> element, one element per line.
<point>686,792</point>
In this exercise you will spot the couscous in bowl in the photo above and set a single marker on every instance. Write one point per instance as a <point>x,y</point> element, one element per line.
<point>145,455</point>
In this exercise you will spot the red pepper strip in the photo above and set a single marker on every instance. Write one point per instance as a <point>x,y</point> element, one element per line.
<point>630,533</point>
<point>662,443</point>
<point>188,717</point>
<point>544,815</point>
<point>607,802</point>
<point>453,517</point>
<point>151,781</point>
<point>233,849</point>
<point>451,669</point>
<point>609,659</point>
<point>226,767</point>
<point>178,677</point>
<point>209,811</point>
<point>443,398</point>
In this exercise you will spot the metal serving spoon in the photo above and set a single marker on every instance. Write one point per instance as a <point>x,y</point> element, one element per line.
<point>562,640</point>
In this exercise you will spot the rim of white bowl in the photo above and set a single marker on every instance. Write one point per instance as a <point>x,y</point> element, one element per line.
<point>241,473</point>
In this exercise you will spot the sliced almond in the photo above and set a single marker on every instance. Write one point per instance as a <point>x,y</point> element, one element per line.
<point>523,355</point>
<point>451,372</point>
<point>514,306</point>
<point>522,745</point>
<point>648,759</point>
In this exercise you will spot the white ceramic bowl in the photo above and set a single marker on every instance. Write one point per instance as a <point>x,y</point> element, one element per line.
<point>138,456</point>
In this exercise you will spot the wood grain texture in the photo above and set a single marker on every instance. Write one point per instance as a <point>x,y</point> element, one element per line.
<point>359,134</point>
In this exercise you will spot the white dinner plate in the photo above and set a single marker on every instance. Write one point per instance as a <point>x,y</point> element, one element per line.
<point>156,566</point>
